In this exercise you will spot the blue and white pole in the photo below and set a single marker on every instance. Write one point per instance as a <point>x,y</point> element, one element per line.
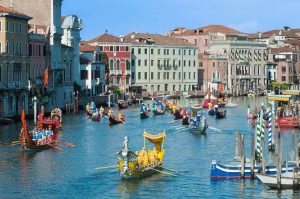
<point>270,128</point>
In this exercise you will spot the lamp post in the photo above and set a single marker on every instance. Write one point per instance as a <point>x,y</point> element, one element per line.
<point>35,109</point>
<point>108,99</point>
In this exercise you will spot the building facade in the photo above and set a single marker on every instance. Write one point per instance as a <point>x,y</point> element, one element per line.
<point>118,53</point>
<point>92,70</point>
<point>162,63</point>
<point>14,62</point>
<point>47,20</point>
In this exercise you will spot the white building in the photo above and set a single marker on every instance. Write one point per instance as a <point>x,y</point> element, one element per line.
<point>163,63</point>
<point>92,70</point>
<point>247,62</point>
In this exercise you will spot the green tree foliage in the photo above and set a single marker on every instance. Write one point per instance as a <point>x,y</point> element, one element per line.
<point>105,61</point>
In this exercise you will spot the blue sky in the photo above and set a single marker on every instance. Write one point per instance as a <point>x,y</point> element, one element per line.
<point>160,16</point>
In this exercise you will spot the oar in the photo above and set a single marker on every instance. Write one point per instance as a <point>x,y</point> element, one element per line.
<point>107,167</point>
<point>213,128</point>
<point>14,144</point>
<point>17,141</point>
<point>113,170</point>
<point>164,172</point>
<point>55,147</point>
<point>67,143</point>
<point>167,168</point>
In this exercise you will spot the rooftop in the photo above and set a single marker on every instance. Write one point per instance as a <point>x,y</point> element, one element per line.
<point>4,11</point>
<point>88,48</point>
<point>282,50</point>
<point>180,31</point>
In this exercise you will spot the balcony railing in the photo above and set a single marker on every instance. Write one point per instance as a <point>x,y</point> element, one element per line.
<point>14,85</point>
<point>119,72</point>
<point>112,72</point>
<point>128,72</point>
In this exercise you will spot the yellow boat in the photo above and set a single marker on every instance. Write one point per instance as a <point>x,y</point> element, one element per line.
<point>144,162</point>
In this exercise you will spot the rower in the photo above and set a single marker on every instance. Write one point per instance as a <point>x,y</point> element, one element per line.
<point>120,116</point>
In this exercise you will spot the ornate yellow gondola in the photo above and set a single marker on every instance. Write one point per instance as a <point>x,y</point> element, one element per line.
<point>142,163</point>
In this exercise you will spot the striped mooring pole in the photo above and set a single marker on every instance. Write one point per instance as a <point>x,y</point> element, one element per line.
<point>270,128</point>
<point>259,135</point>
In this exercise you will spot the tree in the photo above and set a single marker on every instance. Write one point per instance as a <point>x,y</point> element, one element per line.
<point>105,61</point>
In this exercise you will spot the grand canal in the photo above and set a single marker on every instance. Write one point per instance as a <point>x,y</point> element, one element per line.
<point>71,173</point>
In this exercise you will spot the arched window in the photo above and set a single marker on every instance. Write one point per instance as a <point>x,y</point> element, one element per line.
<point>127,65</point>
<point>111,64</point>
<point>7,47</point>
<point>118,64</point>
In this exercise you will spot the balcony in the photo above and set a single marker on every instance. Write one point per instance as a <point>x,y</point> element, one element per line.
<point>128,72</point>
<point>12,85</point>
<point>167,67</point>
<point>112,72</point>
<point>119,72</point>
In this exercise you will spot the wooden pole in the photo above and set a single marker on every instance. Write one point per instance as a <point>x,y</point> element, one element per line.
<point>252,156</point>
<point>278,161</point>
<point>263,158</point>
<point>236,146</point>
<point>242,156</point>
<point>293,145</point>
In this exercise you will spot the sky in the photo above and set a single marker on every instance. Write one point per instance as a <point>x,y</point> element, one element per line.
<point>120,17</point>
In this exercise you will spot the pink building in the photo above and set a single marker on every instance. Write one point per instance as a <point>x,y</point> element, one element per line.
<point>39,58</point>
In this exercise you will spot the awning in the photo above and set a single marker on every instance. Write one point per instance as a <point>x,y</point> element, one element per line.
<point>291,92</point>
<point>282,98</point>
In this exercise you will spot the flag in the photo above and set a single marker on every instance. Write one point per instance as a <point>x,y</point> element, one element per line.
<point>46,77</point>
<point>23,118</point>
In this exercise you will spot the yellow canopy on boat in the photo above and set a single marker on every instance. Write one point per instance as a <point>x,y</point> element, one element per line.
<point>157,140</point>
<point>282,98</point>
<point>291,92</point>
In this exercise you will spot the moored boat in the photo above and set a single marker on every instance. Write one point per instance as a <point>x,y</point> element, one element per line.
<point>233,169</point>
<point>288,180</point>
<point>142,163</point>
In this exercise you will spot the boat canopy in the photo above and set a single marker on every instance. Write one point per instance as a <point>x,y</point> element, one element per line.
<point>281,98</point>
<point>157,140</point>
<point>291,92</point>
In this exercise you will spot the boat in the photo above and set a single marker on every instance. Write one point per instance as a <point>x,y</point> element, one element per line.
<point>122,104</point>
<point>56,116</point>
<point>90,109</point>
<point>211,111</point>
<point>144,114</point>
<point>233,169</point>
<point>41,137</point>
<point>288,180</point>
<point>177,115</point>
<point>116,120</point>
<point>287,118</point>
<point>198,124</point>
<point>251,115</point>
<point>185,120</point>
<point>220,113</point>
<point>145,162</point>
<point>209,99</point>
<point>196,107</point>
<point>157,111</point>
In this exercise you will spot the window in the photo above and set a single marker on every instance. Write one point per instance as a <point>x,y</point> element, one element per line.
<point>158,75</point>
<point>158,51</point>
<point>127,65</point>
<point>179,52</point>
<point>195,41</point>
<point>127,50</point>
<point>83,74</point>
<point>173,51</point>
<point>158,62</point>
<point>258,70</point>
<point>184,63</point>
<point>146,75</point>
<point>139,75</point>
<point>184,75</point>
<point>145,51</point>
<point>194,75</point>
<point>152,74</point>
<point>133,62</point>
<point>127,80</point>
<point>7,26</point>
<point>165,51</point>
<point>184,52</point>
<point>283,78</point>
<point>194,52</point>
<point>214,64</point>
<point>118,64</point>
<point>152,51</point>
<point>189,52</point>
<point>179,75</point>
<point>174,74</point>
<point>179,63</point>
<point>146,62</point>
<point>205,42</point>
<point>132,51</point>
<point>189,75</point>
<point>194,63</point>
<point>7,47</point>
<point>13,27</point>
<point>111,64</point>
<point>139,51</point>
<point>158,87</point>
<point>189,62</point>
<point>111,48</point>
<point>283,69</point>
<point>174,87</point>
<point>152,62</point>
<point>118,80</point>
<point>139,62</point>
<point>117,48</point>
<point>200,64</point>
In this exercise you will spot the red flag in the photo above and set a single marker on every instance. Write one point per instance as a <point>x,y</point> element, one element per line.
<point>23,118</point>
<point>40,123</point>
<point>46,77</point>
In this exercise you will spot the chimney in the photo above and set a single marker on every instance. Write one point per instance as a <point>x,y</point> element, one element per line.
<point>198,31</point>
<point>132,36</point>
<point>259,35</point>
<point>122,38</point>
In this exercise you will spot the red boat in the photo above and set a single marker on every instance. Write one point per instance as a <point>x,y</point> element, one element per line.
<point>39,138</point>
<point>209,99</point>
<point>113,120</point>
<point>290,121</point>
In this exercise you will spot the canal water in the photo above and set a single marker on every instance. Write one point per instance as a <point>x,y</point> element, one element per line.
<point>71,173</point>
